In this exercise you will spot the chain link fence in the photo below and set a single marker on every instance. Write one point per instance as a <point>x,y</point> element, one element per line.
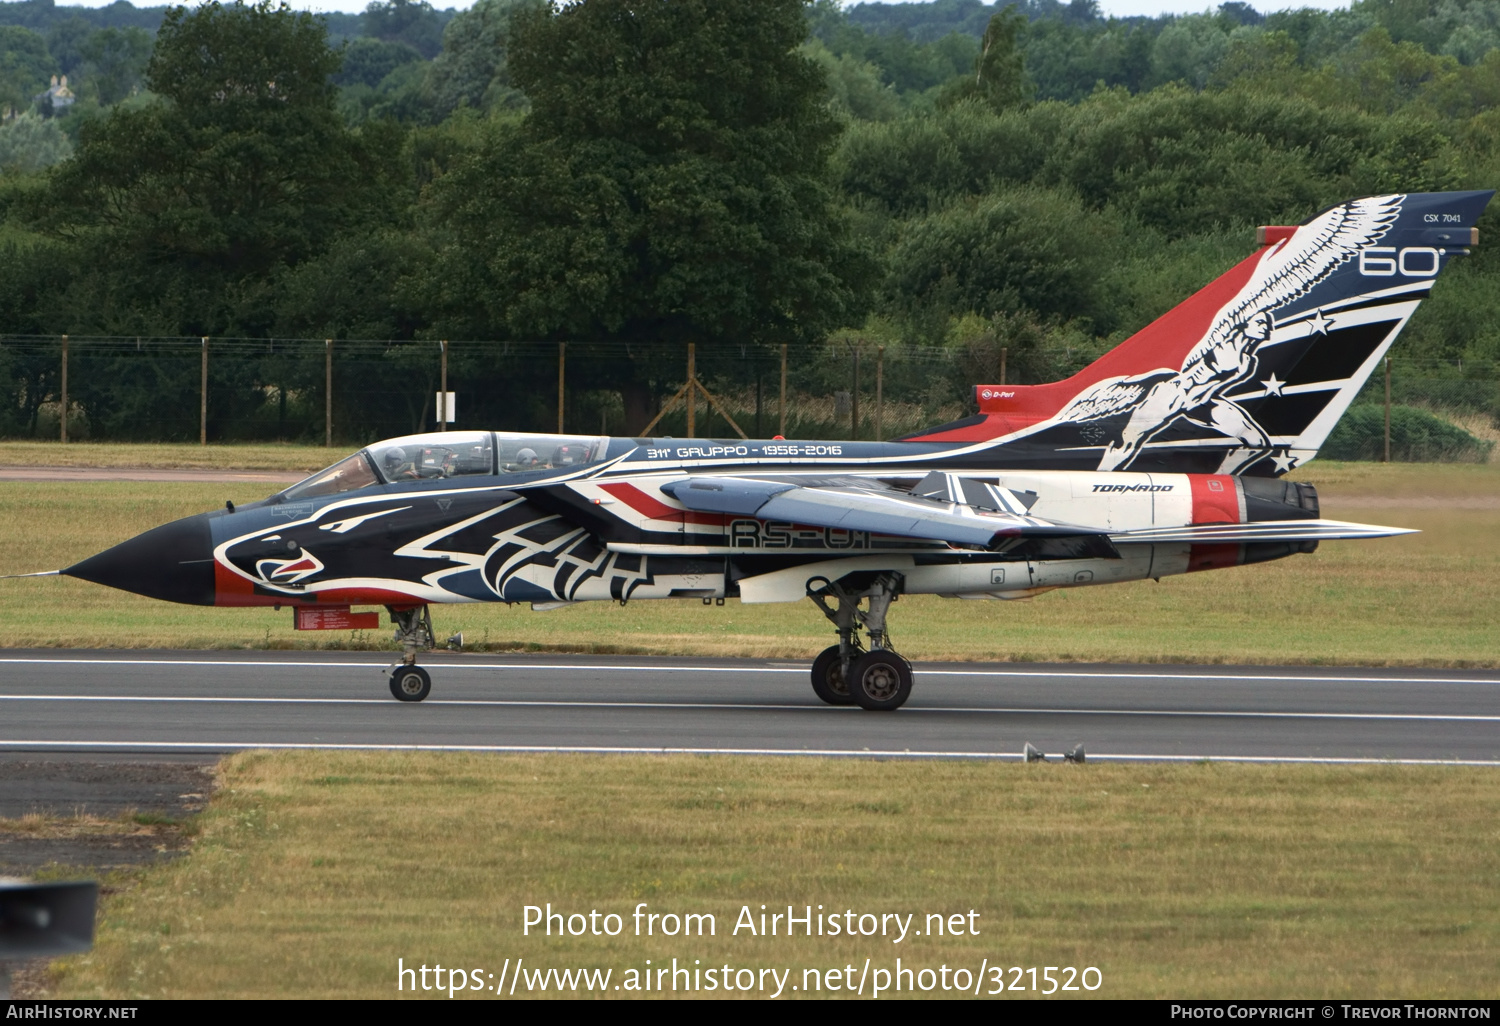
<point>349,392</point>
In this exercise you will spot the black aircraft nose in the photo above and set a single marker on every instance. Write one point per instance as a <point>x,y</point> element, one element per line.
<point>174,562</point>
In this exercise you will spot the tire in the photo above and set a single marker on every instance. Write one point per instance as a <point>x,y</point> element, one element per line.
<point>880,681</point>
<point>828,678</point>
<point>410,684</point>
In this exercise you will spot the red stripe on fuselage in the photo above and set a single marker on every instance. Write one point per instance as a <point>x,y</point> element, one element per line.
<point>230,589</point>
<point>1214,557</point>
<point>1216,499</point>
<point>654,509</point>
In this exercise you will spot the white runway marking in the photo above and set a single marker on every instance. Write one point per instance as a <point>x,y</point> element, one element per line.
<point>620,668</point>
<point>754,706</point>
<point>864,753</point>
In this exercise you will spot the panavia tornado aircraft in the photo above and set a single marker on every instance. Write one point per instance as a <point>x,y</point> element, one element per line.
<point>1163,457</point>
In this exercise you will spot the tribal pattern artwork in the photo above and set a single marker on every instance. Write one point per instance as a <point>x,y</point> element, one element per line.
<point>482,546</point>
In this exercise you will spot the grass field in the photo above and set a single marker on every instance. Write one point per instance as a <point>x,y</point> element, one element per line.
<point>169,455</point>
<point>1426,599</point>
<point>312,873</point>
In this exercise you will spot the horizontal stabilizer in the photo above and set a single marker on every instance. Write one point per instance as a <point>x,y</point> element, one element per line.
<point>842,507</point>
<point>1264,531</point>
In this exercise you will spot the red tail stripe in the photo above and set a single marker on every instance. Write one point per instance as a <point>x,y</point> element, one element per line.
<point>1164,343</point>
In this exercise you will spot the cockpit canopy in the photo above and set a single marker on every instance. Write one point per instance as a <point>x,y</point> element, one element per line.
<point>450,454</point>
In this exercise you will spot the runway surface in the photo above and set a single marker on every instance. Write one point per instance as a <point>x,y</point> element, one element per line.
<point>212,702</point>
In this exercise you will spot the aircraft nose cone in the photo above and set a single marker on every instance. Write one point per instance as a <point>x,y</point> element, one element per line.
<point>174,562</point>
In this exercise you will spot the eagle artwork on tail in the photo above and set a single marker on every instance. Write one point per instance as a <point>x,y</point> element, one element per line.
<point>1226,355</point>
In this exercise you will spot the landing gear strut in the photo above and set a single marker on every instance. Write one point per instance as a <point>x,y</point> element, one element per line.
<point>409,682</point>
<point>877,679</point>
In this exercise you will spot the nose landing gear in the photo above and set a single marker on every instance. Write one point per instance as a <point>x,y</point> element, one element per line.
<point>409,682</point>
<point>879,679</point>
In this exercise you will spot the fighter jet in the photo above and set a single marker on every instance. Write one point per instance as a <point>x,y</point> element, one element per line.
<point>1163,457</point>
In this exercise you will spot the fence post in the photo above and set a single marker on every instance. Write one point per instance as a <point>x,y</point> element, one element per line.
<point>1387,458</point>
<point>781,429</point>
<point>443,389</point>
<point>562,360</point>
<point>328,393</point>
<point>854,399</point>
<point>880,393</point>
<point>692,379</point>
<point>64,417</point>
<point>203,396</point>
<point>759,384</point>
<point>1004,351</point>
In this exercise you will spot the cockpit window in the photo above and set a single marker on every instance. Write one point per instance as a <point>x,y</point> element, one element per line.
<point>448,454</point>
<point>344,476</point>
<point>521,452</point>
<point>431,457</point>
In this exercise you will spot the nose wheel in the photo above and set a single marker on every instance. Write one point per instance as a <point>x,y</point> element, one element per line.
<point>410,684</point>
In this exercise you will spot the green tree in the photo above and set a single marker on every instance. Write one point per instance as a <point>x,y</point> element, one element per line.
<point>472,68</point>
<point>1000,69</point>
<point>25,66</point>
<point>367,61</point>
<point>183,208</point>
<point>115,62</point>
<point>31,142</point>
<point>403,21</point>
<point>65,42</point>
<point>1017,250</point>
<point>667,186</point>
<point>854,86</point>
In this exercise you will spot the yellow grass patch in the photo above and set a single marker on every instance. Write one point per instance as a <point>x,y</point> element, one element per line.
<point>170,455</point>
<point>315,872</point>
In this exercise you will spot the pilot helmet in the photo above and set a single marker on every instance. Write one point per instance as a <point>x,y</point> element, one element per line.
<point>394,457</point>
<point>526,457</point>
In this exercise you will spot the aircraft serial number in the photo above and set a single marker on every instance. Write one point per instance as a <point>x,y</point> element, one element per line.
<point>776,534</point>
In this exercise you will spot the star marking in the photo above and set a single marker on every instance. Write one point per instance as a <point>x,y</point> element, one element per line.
<point>1319,323</point>
<point>1273,384</point>
<point>1284,461</point>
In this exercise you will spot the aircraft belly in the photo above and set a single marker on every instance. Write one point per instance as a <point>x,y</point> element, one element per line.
<point>994,580</point>
<point>1134,564</point>
<point>1167,560</point>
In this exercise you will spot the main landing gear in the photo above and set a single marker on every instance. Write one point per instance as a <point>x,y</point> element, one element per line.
<point>409,682</point>
<point>847,674</point>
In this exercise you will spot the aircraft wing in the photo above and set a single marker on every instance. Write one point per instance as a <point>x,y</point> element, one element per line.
<point>880,510</point>
<point>1264,530</point>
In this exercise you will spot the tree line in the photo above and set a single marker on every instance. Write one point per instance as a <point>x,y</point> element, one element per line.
<point>632,175</point>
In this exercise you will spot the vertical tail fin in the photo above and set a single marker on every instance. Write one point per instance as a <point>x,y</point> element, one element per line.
<point>1250,374</point>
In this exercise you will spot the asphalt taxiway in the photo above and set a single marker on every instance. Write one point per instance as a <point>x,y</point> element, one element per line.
<point>204,703</point>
